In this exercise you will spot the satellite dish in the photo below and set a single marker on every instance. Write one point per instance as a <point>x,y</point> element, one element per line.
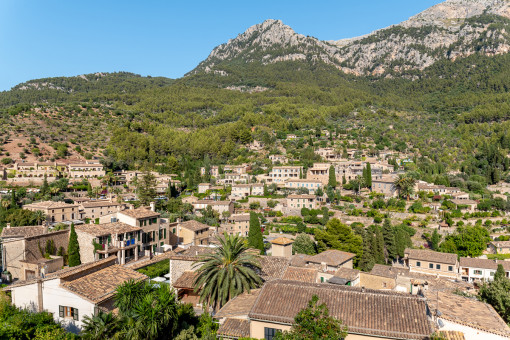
<point>440,323</point>
<point>438,312</point>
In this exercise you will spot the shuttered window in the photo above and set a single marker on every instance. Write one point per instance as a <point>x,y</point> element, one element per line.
<point>68,312</point>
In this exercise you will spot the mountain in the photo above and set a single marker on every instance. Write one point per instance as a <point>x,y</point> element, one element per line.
<point>449,30</point>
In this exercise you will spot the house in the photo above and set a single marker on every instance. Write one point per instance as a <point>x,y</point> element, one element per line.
<point>56,212</point>
<point>193,233</point>
<point>98,241</point>
<point>203,187</point>
<point>301,274</point>
<point>278,159</point>
<point>238,224</point>
<point>475,319</point>
<point>220,207</point>
<point>296,202</point>
<point>24,250</point>
<point>346,276</point>
<point>431,262</point>
<point>329,261</point>
<point>382,277</point>
<point>319,172</point>
<point>155,234</point>
<point>384,185</point>
<point>281,246</point>
<point>465,205</point>
<point>475,269</point>
<point>279,174</point>
<point>499,247</point>
<point>72,293</point>
<point>366,313</point>
<point>311,184</point>
<point>97,209</point>
<point>89,169</point>
<point>185,288</point>
<point>234,178</point>
<point>184,259</point>
<point>240,191</point>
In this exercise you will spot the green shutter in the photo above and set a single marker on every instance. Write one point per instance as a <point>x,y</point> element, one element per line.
<point>75,314</point>
<point>164,233</point>
<point>61,311</point>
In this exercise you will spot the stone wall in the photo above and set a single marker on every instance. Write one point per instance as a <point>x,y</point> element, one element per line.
<point>376,282</point>
<point>32,252</point>
<point>177,267</point>
<point>86,247</point>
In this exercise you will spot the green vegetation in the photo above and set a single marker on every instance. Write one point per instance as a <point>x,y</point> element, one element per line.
<point>157,269</point>
<point>497,293</point>
<point>255,239</point>
<point>73,248</point>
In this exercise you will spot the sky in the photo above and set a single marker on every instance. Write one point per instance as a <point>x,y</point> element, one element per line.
<point>50,38</point>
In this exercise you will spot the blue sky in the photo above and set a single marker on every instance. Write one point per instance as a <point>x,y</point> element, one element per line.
<point>48,38</point>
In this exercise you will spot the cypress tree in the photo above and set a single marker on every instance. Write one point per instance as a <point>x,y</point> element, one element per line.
<point>73,249</point>
<point>389,240</point>
<point>332,177</point>
<point>434,240</point>
<point>367,260</point>
<point>368,178</point>
<point>45,188</point>
<point>255,239</point>
<point>379,247</point>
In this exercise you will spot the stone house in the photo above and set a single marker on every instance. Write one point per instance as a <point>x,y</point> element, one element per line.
<point>88,169</point>
<point>310,184</point>
<point>384,185</point>
<point>499,247</point>
<point>431,262</point>
<point>237,224</point>
<point>279,174</point>
<point>281,246</point>
<point>219,206</point>
<point>23,250</point>
<point>330,261</point>
<point>296,202</point>
<point>72,293</point>
<point>240,191</point>
<point>319,172</point>
<point>97,209</point>
<point>192,233</point>
<point>282,159</point>
<point>56,211</point>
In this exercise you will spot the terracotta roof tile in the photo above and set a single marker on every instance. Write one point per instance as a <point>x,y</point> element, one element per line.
<point>331,257</point>
<point>283,241</point>
<point>239,306</point>
<point>22,231</point>
<point>478,263</point>
<point>106,228</point>
<point>186,280</point>
<point>273,267</point>
<point>140,213</point>
<point>193,225</point>
<point>347,273</point>
<point>235,328</point>
<point>301,274</point>
<point>451,335</point>
<point>369,312</point>
<point>49,205</point>
<point>387,271</point>
<point>432,256</point>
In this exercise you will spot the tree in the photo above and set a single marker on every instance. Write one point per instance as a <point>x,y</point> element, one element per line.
<point>44,190</point>
<point>404,185</point>
<point>467,241</point>
<point>146,188</point>
<point>100,326</point>
<point>255,239</point>
<point>40,217</point>
<point>379,247</point>
<point>434,240</point>
<point>341,237</point>
<point>389,240</point>
<point>314,322</point>
<point>303,244</point>
<point>228,271</point>
<point>367,260</point>
<point>402,240</point>
<point>73,248</point>
<point>368,176</point>
<point>332,177</point>
<point>497,293</point>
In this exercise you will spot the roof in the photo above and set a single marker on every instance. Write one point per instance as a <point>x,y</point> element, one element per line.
<point>331,257</point>
<point>193,225</point>
<point>388,271</point>
<point>93,204</point>
<point>106,228</point>
<point>100,285</point>
<point>234,328</point>
<point>22,231</point>
<point>432,256</point>
<point>48,205</point>
<point>303,180</point>
<point>478,263</point>
<point>369,312</point>
<point>211,202</point>
<point>299,260</point>
<point>239,306</point>
<point>501,244</point>
<point>186,280</point>
<point>283,241</point>
<point>451,335</point>
<point>192,253</point>
<point>301,196</point>
<point>140,213</point>
<point>301,274</point>
<point>240,217</point>
<point>273,267</point>
<point>347,273</point>
<point>470,312</point>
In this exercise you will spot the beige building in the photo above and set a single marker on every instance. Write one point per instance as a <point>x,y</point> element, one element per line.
<point>193,233</point>
<point>56,211</point>
<point>240,191</point>
<point>86,170</point>
<point>24,248</point>
<point>238,224</point>
<point>432,262</point>
<point>296,202</point>
<point>97,209</point>
<point>219,206</point>
<point>281,246</point>
<point>384,185</point>
<point>319,172</point>
<point>312,185</point>
<point>279,174</point>
<point>499,247</point>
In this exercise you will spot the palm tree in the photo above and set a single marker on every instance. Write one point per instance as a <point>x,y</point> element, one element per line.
<point>227,272</point>
<point>100,326</point>
<point>96,191</point>
<point>404,185</point>
<point>358,183</point>
<point>39,216</point>
<point>54,190</point>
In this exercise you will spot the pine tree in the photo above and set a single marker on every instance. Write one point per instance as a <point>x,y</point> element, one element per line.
<point>367,260</point>
<point>74,248</point>
<point>434,240</point>
<point>45,188</point>
<point>255,239</point>
<point>389,240</point>
<point>379,247</point>
<point>368,178</point>
<point>332,177</point>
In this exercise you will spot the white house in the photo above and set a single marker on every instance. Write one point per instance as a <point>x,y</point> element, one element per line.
<point>311,184</point>
<point>72,293</point>
<point>473,269</point>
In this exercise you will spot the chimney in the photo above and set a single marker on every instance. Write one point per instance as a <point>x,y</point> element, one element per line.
<point>363,289</point>
<point>8,225</point>
<point>153,206</point>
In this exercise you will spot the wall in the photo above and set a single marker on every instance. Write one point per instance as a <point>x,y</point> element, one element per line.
<point>14,252</point>
<point>469,333</point>
<point>376,282</point>
<point>86,247</point>
<point>257,328</point>
<point>60,238</point>
<point>424,268</point>
<point>177,267</point>
<point>281,250</point>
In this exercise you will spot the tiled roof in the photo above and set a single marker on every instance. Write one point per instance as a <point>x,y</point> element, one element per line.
<point>106,228</point>
<point>192,253</point>
<point>368,312</point>
<point>469,312</point>
<point>451,335</point>
<point>347,273</point>
<point>140,213</point>
<point>431,256</point>
<point>93,204</point>
<point>331,257</point>
<point>211,202</point>
<point>101,285</point>
<point>301,196</point>
<point>193,225</point>
<point>186,280</point>
<point>22,231</point>
<point>501,244</point>
<point>303,180</point>
<point>239,306</point>
<point>299,260</point>
<point>301,274</point>
<point>240,217</point>
<point>387,271</point>
<point>273,267</point>
<point>49,205</point>
<point>283,241</point>
<point>235,328</point>
<point>478,263</point>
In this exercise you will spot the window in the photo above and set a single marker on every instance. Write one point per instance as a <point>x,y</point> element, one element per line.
<point>477,272</point>
<point>438,266</point>
<point>450,268</point>
<point>68,312</point>
<point>431,266</point>
<point>269,333</point>
<point>418,264</point>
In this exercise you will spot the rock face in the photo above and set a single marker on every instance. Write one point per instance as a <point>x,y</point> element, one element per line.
<point>452,29</point>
